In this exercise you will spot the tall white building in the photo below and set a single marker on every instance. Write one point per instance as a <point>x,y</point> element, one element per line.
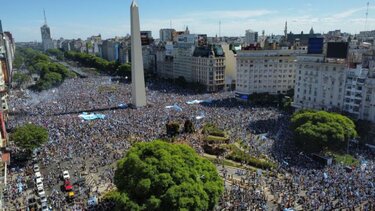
<point>265,71</point>
<point>320,83</point>
<point>367,111</point>
<point>359,100</point>
<point>251,37</point>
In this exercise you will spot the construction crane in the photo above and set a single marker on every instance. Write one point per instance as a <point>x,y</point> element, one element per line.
<point>368,5</point>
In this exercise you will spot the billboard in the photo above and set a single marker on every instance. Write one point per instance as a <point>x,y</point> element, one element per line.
<point>337,50</point>
<point>315,45</point>
<point>202,39</point>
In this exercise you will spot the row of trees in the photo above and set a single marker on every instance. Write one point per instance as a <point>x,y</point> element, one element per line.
<point>51,73</point>
<point>173,128</point>
<point>104,66</point>
<point>265,99</point>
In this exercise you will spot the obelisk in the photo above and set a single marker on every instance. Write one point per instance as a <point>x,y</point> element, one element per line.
<point>138,80</point>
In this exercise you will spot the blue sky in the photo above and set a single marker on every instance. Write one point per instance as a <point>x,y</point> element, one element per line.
<point>83,18</point>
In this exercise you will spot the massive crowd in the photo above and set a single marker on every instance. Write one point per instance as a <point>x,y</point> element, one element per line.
<point>88,149</point>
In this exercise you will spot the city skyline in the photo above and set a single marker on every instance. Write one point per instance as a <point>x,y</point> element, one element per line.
<point>82,19</point>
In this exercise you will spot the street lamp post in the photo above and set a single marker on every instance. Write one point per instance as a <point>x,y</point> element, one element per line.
<point>347,145</point>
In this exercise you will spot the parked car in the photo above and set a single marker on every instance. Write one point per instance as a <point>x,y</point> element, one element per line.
<point>38,175</point>
<point>71,195</point>
<point>36,168</point>
<point>39,183</point>
<point>41,192</point>
<point>65,175</point>
<point>68,185</point>
<point>45,206</point>
<point>43,199</point>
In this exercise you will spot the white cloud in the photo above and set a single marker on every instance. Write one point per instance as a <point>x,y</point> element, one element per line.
<point>234,23</point>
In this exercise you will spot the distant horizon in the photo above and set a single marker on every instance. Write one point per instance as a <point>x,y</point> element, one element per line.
<point>73,20</point>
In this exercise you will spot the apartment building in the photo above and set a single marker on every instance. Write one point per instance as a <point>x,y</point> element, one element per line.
<point>7,49</point>
<point>367,110</point>
<point>354,87</point>
<point>208,67</point>
<point>266,71</point>
<point>182,63</point>
<point>164,60</point>
<point>251,37</point>
<point>166,35</point>
<point>320,83</point>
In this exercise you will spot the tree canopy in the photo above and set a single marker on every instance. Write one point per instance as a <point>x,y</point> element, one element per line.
<point>51,73</point>
<point>162,176</point>
<point>21,78</point>
<point>318,130</point>
<point>101,64</point>
<point>29,137</point>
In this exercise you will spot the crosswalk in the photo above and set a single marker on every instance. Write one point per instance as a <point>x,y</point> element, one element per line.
<point>90,181</point>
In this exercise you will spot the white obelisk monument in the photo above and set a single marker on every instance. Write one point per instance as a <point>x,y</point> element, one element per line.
<point>138,80</point>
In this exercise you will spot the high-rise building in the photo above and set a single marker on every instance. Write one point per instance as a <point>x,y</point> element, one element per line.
<point>46,35</point>
<point>166,35</point>
<point>110,50</point>
<point>251,37</point>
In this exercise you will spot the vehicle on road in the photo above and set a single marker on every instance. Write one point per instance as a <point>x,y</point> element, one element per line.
<point>71,196</point>
<point>41,192</point>
<point>68,185</point>
<point>43,199</point>
<point>39,183</point>
<point>38,175</point>
<point>45,206</point>
<point>65,175</point>
<point>36,168</point>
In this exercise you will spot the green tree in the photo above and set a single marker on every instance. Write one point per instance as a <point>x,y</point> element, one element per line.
<point>21,78</point>
<point>188,126</point>
<point>18,60</point>
<point>162,176</point>
<point>29,137</point>
<point>56,52</point>
<point>173,128</point>
<point>53,77</point>
<point>315,131</point>
<point>125,70</point>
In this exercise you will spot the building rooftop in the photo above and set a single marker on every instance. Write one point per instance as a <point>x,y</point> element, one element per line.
<point>207,51</point>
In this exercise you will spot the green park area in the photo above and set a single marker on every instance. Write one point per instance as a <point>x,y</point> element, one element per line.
<point>50,73</point>
<point>217,142</point>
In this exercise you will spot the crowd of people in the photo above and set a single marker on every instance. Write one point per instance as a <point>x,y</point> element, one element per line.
<point>88,149</point>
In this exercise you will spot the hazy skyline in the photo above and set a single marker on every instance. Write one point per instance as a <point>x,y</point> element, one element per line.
<point>81,19</point>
